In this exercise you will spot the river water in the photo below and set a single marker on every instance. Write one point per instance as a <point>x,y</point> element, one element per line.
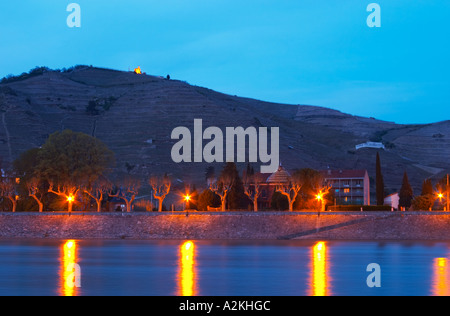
<point>221,268</point>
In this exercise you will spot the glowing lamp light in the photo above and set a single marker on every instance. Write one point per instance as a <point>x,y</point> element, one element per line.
<point>187,273</point>
<point>319,197</point>
<point>68,277</point>
<point>187,198</point>
<point>320,280</point>
<point>70,198</point>
<point>440,196</point>
<point>188,245</point>
<point>440,285</point>
<point>320,246</point>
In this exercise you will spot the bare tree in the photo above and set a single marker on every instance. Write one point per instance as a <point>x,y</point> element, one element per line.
<point>34,186</point>
<point>8,190</point>
<point>290,190</point>
<point>222,187</point>
<point>69,192</point>
<point>161,188</point>
<point>98,191</point>
<point>128,192</point>
<point>252,188</point>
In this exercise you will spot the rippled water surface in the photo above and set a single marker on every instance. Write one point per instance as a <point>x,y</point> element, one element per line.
<point>247,268</point>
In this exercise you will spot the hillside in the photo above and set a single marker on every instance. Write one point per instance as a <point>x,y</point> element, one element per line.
<point>135,115</point>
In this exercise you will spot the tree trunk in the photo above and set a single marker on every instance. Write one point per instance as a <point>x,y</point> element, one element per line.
<point>99,206</point>
<point>41,205</point>
<point>255,205</point>
<point>290,199</point>
<point>128,204</point>
<point>224,201</point>
<point>224,204</point>
<point>291,205</point>
<point>160,203</point>
<point>14,203</point>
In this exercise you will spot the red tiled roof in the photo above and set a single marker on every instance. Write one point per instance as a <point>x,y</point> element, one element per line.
<point>343,174</point>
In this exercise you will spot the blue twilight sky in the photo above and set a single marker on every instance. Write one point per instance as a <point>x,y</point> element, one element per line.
<point>314,52</point>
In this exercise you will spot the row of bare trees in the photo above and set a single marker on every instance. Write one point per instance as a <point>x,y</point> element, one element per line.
<point>309,180</point>
<point>128,189</point>
<point>74,167</point>
<point>99,191</point>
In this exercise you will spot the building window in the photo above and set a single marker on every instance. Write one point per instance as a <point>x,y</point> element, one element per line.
<point>346,190</point>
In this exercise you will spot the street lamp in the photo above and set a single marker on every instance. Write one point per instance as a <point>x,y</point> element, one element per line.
<point>70,199</point>
<point>441,196</point>
<point>187,199</point>
<point>448,193</point>
<point>319,197</point>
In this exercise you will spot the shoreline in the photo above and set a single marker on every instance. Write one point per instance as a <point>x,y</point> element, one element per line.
<point>424,226</point>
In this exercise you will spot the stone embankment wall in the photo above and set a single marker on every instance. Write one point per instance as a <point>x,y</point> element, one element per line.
<point>232,225</point>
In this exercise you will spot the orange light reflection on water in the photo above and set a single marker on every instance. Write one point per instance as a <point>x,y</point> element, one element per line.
<point>68,260</point>
<point>187,271</point>
<point>319,282</point>
<point>440,277</point>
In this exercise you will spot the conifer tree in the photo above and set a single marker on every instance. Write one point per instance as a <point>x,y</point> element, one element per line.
<point>379,182</point>
<point>427,187</point>
<point>406,193</point>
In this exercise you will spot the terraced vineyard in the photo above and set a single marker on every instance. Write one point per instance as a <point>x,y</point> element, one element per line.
<point>135,115</point>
